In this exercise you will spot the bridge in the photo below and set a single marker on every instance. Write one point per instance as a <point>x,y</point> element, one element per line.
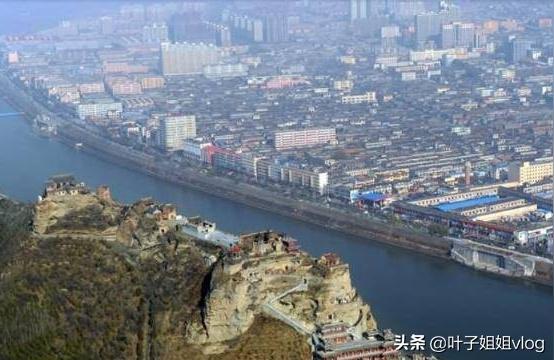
<point>7,114</point>
<point>494,259</point>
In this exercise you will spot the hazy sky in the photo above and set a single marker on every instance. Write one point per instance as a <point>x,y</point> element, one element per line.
<point>30,16</point>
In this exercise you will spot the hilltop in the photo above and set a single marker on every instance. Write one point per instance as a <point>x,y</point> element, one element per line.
<point>84,276</point>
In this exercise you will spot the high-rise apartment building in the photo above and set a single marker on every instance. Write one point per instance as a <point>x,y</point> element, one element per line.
<point>174,130</point>
<point>362,9</point>
<point>389,36</point>
<point>248,29</point>
<point>427,28</point>
<point>155,33</point>
<point>479,39</point>
<point>257,30</point>
<point>448,36</point>
<point>428,25</point>
<point>106,25</point>
<point>275,28</point>
<point>221,34</point>
<point>187,59</point>
<point>457,34</point>
<point>465,34</point>
<point>519,49</point>
<point>189,27</point>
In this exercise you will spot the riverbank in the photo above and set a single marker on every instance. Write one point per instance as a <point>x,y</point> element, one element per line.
<point>254,196</point>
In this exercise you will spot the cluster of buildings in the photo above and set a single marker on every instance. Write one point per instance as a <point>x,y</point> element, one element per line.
<point>503,214</point>
<point>252,27</point>
<point>442,98</point>
<point>258,168</point>
<point>334,342</point>
<point>66,185</point>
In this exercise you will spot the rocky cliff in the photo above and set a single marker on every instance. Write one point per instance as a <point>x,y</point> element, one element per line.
<point>86,277</point>
<point>293,287</point>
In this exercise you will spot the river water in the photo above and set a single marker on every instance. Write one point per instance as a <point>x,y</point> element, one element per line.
<point>408,292</point>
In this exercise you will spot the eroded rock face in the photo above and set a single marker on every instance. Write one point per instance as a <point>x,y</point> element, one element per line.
<point>241,290</point>
<point>191,295</point>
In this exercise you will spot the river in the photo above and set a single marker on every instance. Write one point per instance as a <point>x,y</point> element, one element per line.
<point>408,292</point>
